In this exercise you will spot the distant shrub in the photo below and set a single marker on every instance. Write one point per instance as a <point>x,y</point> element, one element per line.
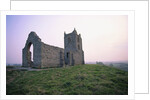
<point>99,63</point>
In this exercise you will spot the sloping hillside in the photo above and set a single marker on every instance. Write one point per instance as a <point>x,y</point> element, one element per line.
<point>75,80</point>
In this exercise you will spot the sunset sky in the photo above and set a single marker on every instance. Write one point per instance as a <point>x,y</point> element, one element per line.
<point>104,37</point>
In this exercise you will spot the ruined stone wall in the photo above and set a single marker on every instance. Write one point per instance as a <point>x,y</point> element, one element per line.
<point>34,40</point>
<point>52,56</point>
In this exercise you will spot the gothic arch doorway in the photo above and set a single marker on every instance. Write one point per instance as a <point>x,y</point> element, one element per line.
<point>30,54</point>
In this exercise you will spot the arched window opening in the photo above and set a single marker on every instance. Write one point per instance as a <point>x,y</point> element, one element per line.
<point>31,50</point>
<point>30,54</point>
<point>68,54</point>
<point>78,46</point>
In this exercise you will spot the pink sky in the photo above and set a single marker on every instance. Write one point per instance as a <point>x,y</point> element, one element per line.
<point>104,38</point>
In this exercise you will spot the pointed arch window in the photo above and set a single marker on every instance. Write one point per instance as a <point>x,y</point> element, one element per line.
<point>78,47</point>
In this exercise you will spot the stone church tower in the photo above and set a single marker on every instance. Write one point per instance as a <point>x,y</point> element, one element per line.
<point>73,52</point>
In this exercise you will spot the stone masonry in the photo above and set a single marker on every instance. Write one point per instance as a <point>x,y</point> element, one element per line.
<point>45,55</point>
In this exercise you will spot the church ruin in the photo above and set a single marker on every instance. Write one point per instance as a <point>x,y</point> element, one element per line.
<point>50,56</point>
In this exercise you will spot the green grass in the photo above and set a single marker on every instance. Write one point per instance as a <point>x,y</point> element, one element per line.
<point>75,80</point>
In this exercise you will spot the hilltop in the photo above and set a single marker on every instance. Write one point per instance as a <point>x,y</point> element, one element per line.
<point>75,80</point>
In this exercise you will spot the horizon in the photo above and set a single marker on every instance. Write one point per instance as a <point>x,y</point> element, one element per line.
<point>104,37</point>
<point>85,62</point>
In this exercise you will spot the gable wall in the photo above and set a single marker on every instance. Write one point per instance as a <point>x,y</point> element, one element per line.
<point>34,40</point>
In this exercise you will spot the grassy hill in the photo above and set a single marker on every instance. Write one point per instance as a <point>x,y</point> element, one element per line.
<point>75,80</point>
